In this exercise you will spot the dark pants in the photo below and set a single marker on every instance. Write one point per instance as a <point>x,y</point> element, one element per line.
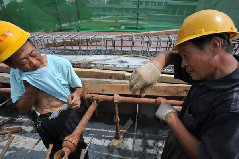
<point>53,131</point>
<point>173,149</point>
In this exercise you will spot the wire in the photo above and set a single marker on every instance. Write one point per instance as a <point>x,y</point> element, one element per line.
<point>31,148</point>
<point>135,131</point>
<point>4,102</point>
<point>84,151</point>
<point>134,55</point>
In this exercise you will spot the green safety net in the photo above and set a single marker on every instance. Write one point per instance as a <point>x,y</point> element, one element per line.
<point>108,15</point>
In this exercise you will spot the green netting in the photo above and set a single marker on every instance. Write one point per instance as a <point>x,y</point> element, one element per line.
<point>108,15</point>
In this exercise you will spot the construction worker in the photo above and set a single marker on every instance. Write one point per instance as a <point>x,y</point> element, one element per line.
<point>42,84</point>
<point>207,126</point>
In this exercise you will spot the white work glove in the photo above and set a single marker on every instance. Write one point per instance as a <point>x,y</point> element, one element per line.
<point>143,78</point>
<point>165,109</point>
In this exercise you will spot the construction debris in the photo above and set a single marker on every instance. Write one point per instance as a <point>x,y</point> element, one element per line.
<point>49,151</point>
<point>10,130</point>
<point>31,149</point>
<point>6,147</point>
<point>114,143</point>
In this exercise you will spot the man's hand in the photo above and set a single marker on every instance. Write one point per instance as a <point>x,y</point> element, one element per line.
<point>74,100</point>
<point>163,110</point>
<point>144,77</point>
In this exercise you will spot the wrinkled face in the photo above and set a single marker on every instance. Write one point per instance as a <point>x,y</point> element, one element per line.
<point>27,58</point>
<point>198,63</point>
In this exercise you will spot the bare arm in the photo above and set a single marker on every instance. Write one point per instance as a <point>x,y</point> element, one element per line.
<point>26,102</point>
<point>164,59</point>
<point>74,99</point>
<point>186,139</point>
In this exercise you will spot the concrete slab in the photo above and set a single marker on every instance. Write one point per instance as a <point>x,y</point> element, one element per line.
<point>149,139</point>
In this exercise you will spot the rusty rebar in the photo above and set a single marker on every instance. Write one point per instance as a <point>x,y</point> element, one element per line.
<point>117,119</point>
<point>122,99</point>
<point>70,142</point>
<point>6,146</point>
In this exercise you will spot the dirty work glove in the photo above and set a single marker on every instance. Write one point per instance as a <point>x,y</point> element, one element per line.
<point>144,77</point>
<point>164,109</point>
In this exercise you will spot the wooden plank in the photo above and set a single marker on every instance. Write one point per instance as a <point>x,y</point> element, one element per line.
<point>4,78</point>
<point>4,68</point>
<point>113,144</point>
<point>122,87</point>
<point>109,86</point>
<point>165,78</point>
<point>104,74</point>
<point>94,73</point>
<point>101,74</point>
<point>119,75</point>
<point>6,147</point>
<point>49,151</point>
<point>10,130</point>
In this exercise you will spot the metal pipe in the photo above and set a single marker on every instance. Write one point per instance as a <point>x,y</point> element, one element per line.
<point>70,142</point>
<point>117,119</point>
<point>121,99</point>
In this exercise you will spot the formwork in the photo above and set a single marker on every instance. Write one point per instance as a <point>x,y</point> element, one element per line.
<point>116,123</point>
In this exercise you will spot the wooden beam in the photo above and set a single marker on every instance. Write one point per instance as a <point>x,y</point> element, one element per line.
<point>10,130</point>
<point>6,147</point>
<point>4,78</point>
<point>165,78</point>
<point>119,75</point>
<point>4,68</point>
<point>105,86</point>
<point>102,74</point>
<point>97,74</point>
<point>109,86</point>
<point>49,151</point>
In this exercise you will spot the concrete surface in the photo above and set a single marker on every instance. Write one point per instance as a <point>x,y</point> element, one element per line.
<point>149,139</point>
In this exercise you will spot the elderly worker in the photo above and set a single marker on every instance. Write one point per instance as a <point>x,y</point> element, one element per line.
<point>42,83</point>
<point>207,126</point>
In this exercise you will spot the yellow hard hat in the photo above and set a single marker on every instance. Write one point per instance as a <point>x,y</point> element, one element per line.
<point>11,39</point>
<point>205,22</point>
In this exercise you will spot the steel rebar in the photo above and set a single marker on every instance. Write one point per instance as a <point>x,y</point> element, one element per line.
<point>70,142</point>
<point>122,99</point>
